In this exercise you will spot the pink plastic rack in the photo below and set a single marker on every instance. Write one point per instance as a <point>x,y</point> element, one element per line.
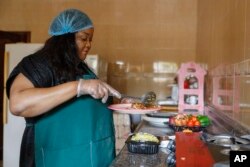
<point>191,86</point>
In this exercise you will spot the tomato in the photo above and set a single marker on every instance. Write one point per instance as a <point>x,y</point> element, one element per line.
<point>197,123</point>
<point>194,118</point>
<point>190,123</point>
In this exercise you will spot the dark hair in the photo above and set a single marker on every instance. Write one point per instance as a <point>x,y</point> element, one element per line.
<point>61,53</point>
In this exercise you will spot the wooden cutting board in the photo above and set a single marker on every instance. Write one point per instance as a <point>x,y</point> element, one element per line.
<point>191,151</point>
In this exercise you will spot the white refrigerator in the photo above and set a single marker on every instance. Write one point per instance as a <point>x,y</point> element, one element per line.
<point>13,125</point>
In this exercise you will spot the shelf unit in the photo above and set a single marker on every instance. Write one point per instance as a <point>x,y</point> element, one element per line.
<point>187,70</point>
<point>220,95</point>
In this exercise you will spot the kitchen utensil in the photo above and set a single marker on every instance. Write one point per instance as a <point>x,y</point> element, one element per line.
<point>149,98</point>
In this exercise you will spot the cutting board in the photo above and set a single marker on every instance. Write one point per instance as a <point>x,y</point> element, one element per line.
<point>191,151</point>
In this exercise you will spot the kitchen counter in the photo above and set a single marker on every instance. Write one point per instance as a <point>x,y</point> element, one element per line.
<point>225,122</point>
<point>220,125</point>
<point>127,159</point>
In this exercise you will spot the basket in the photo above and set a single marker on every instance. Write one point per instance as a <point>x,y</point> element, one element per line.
<point>193,128</point>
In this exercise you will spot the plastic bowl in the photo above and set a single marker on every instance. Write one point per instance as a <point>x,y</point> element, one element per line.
<point>141,147</point>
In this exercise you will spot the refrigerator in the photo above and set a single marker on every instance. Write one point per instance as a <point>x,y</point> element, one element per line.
<point>98,65</point>
<point>13,125</point>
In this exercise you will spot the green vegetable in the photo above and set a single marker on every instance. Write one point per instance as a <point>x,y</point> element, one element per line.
<point>204,120</point>
<point>199,116</point>
<point>144,137</point>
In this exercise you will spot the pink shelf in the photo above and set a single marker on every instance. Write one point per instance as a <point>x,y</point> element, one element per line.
<point>195,72</point>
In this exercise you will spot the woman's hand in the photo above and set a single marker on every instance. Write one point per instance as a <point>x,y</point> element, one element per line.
<point>97,89</point>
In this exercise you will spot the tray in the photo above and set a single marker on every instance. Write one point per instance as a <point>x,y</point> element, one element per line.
<point>142,147</point>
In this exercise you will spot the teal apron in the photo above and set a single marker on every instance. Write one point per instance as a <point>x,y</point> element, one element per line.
<point>79,133</point>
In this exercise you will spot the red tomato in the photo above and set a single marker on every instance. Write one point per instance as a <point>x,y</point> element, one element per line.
<point>190,123</point>
<point>194,118</point>
<point>197,123</point>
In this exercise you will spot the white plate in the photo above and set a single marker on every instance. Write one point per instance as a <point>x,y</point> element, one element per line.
<point>126,109</point>
<point>159,122</point>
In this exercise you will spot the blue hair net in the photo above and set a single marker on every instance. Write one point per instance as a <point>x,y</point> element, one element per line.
<point>70,21</point>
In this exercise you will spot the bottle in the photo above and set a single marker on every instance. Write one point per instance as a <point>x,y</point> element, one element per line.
<point>186,84</point>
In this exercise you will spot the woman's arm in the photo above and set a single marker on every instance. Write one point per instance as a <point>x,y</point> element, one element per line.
<point>28,101</point>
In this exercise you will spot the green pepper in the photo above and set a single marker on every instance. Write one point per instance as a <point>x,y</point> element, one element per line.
<point>204,120</point>
<point>199,116</point>
<point>204,124</point>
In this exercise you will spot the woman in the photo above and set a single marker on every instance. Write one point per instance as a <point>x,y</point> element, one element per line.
<point>63,102</point>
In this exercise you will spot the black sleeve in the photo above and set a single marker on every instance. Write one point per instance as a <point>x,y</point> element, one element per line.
<point>36,69</point>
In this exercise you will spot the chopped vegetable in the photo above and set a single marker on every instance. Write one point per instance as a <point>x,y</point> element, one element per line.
<point>144,137</point>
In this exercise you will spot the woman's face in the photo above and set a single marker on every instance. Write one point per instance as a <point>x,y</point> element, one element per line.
<point>83,42</point>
